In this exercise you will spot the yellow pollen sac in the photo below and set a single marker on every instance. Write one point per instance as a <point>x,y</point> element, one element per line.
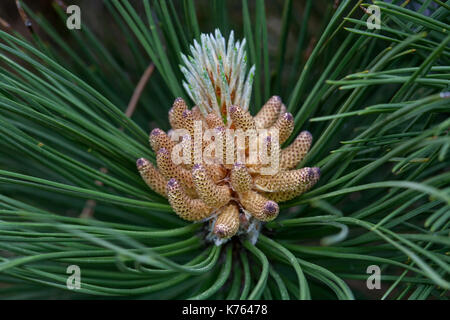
<point>152,177</point>
<point>175,114</point>
<point>240,178</point>
<point>314,176</point>
<point>169,170</point>
<point>296,151</point>
<point>259,206</point>
<point>227,223</point>
<point>241,118</point>
<point>269,113</point>
<point>283,181</point>
<point>196,192</point>
<point>285,126</point>
<point>159,139</point>
<point>187,119</point>
<point>212,195</point>
<point>184,206</point>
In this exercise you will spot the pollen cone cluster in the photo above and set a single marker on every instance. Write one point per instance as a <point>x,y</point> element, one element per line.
<point>229,192</point>
<point>226,184</point>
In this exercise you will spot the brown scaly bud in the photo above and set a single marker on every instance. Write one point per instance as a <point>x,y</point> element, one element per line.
<point>240,178</point>
<point>169,170</point>
<point>296,151</point>
<point>152,177</point>
<point>227,223</point>
<point>285,126</point>
<point>313,177</point>
<point>241,118</point>
<point>259,206</point>
<point>159,139</point>
<point>187,119</point>
<point>175,119</point>
<point>214,121</point>
<point>269,113</point>
<point>212,195</point>
<point>184,206</point>
<point>283,181</point>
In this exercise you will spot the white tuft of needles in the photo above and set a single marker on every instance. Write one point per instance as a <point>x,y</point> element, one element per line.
<point>216,74</point>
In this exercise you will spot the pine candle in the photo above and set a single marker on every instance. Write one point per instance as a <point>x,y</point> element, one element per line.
<point>228,186</point>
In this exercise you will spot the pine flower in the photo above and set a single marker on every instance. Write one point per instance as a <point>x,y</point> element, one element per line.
<point>240,178</point>
<point>296,151</point>
<point>260,207</point>
<point>187,208</point>
<point>170,170</point>
<point>159,139</point>
<point>268,113</point>
<point>284,125</point>
<point>175,114</point>
<point>236,196</point>
<point>227,223</point>
<point>152,177</point>
<point>312,177</point>
<point>212,194</point>
<point>283,181</point>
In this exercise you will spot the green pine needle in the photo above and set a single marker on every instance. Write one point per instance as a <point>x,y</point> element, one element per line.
<point>376,102</point>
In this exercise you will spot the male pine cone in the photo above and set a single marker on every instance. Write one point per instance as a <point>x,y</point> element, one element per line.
<point>197,191</point>
<point>236,194</point>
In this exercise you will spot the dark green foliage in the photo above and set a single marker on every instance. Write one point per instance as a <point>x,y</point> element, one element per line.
<point>376,101</point>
